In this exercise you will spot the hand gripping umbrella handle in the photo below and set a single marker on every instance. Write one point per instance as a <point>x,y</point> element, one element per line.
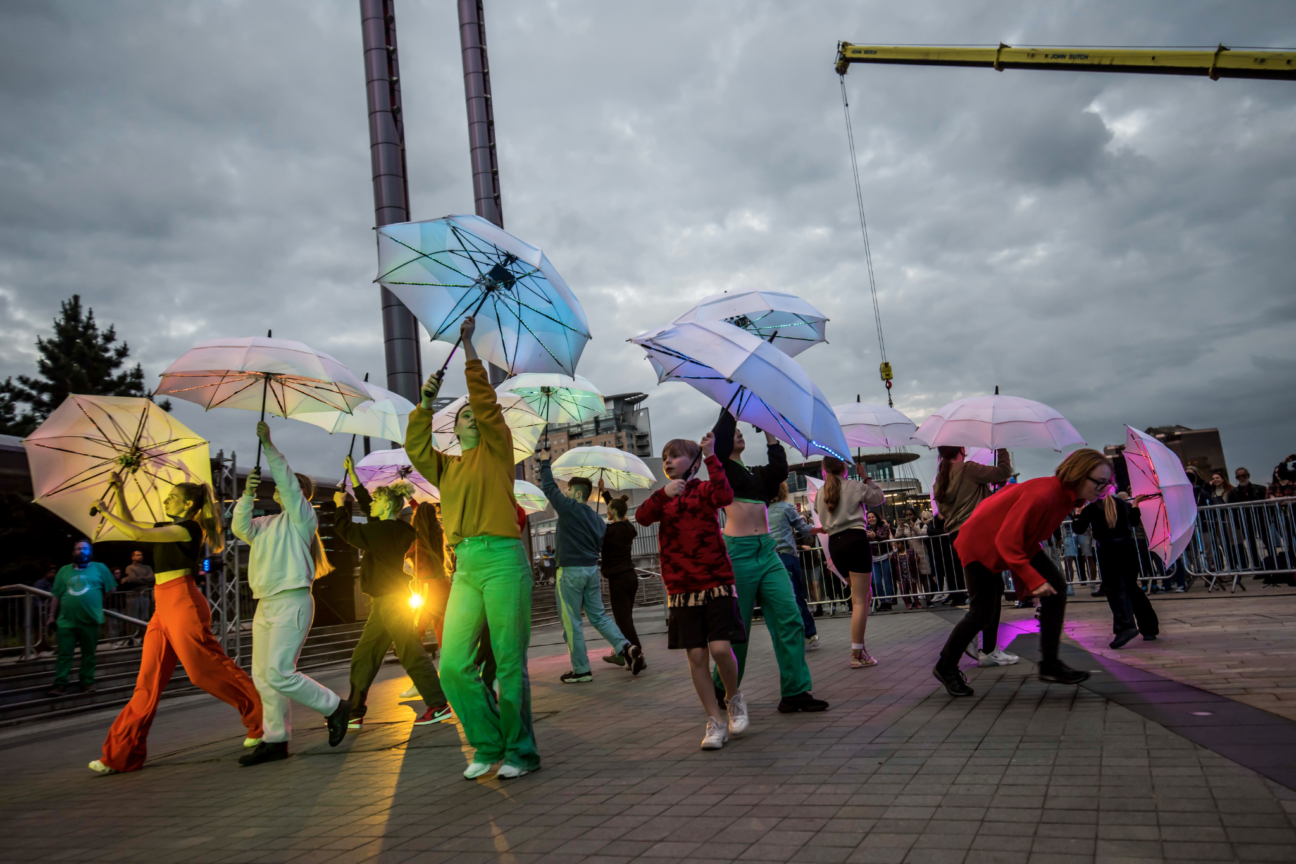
<point>440,374</point>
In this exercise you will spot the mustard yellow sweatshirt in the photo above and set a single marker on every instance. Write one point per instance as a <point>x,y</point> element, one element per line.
<point>477,487</point>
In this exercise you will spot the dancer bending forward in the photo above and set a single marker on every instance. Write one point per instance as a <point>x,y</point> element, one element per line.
<point>180,629</point>
<point>492,579</point>
<point>286,559</point>
<point>1006,532</point>
<point>703,601</point>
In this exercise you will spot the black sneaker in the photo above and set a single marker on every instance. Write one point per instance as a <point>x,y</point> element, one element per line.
<point>337,723</point>
<point>1149,637</point>
<point>801,702</point>
<point>1123,638</point>
<point>265,752</point>
<point>56,691</point>
<point>1058,672</point>
<point>634,661</point>
<point>955,683</point>
<point>574,677</point>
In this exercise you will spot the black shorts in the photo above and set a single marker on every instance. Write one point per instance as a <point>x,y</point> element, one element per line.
<point>851,552</point>
<point>717,619</point>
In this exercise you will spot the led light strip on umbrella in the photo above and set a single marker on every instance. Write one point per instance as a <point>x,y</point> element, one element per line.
<point>1170,512</point>
<point>529,496</point>
<point>447,269</point>
<point>74,453</point>
<point>614,468</point>
<point>385,467</point>
<point>384,417</point>
<point>758,383</point>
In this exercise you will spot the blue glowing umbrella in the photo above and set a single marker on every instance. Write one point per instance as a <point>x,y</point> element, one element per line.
<point>446,269</point>
<point>755,381</point>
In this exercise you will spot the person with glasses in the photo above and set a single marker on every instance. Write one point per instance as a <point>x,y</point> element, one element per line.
<point>1006,532</point>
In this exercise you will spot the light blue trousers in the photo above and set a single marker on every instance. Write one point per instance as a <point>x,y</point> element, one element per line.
<point>579,589</point>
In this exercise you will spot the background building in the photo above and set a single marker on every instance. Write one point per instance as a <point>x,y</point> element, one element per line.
<point>625,426</point>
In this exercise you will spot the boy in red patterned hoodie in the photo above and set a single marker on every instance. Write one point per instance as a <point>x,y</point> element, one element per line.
<point>704,617</point>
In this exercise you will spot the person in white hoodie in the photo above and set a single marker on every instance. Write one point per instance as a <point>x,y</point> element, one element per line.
<point>286,558</point>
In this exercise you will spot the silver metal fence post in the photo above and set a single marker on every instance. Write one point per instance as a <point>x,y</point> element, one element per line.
<point>27,627</point>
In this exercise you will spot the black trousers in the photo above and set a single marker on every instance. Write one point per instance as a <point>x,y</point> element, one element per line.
<point>955,576</point>
<point>985,595</point>
<point>990,632</point>
<point>622,589</point>
<point>1130,607</point>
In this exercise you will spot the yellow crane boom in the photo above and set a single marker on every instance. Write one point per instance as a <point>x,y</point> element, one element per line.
<point>1214,63</point>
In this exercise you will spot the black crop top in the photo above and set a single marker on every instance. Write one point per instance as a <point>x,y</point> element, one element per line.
<point>179,556</point>
<point>760,483</point>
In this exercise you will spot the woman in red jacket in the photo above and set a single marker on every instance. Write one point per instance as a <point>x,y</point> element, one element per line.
<point>1005,532</point>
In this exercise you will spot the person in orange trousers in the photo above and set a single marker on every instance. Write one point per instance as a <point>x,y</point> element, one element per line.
<point>180,629</point>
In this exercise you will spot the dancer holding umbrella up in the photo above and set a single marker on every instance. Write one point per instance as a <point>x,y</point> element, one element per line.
<point>492,583</point>
<point>286,558</point>
<point>180,629</point>
<point>1005,532</point>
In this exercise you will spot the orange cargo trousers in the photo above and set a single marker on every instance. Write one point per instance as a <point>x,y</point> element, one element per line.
<point>180,629</point>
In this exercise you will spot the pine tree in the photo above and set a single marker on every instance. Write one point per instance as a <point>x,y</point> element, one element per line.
<point>78,358</point>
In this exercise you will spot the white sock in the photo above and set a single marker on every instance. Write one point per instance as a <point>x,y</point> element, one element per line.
<point>859,647</point>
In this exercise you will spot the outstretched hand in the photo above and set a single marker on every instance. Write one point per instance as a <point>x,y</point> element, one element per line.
<point>1045,590</point>
<point>253,481</point>
<point>430,390</point>
<point>708,445</point>
<point>339,498</point>
<point>348,464</point>
<point>263,432</point>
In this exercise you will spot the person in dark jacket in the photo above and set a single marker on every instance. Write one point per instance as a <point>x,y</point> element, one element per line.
<point>384,540</point>
<point>579,537</point>
<point>1114,521</point>
<point>617,565</point>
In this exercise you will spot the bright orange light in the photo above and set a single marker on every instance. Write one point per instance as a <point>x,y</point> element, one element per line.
<point>415,600</point>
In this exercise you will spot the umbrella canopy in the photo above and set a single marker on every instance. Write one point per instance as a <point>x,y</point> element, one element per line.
<point>446,269</point>
<point>997,422</point>
<point>276,376</point>
<point>758,383</point>
<point>786,321</point>
<point>616,468</point>
<point>529,496</point>
<point>525,424</point>
<point>1171,515</point>
<point>384,467</point>
<point>74,452</point>
<point>867,425</point>
<point>384,416</point>
<point>557,398</point>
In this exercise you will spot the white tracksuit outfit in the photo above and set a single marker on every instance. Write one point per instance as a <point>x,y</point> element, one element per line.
<point>280,574</point>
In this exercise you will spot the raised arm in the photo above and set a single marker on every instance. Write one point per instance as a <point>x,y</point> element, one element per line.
<point>418,437</point>
<point>724,431</point>
<point>137,531</point>
<point>294,503</point>
<point>350,532</point>
<point>241,521</point>
<point>990,475</point>
<point>561,503</point>
<point>776,472</point>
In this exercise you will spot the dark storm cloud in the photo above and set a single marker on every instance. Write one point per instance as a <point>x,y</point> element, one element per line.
<point>1116,246</point>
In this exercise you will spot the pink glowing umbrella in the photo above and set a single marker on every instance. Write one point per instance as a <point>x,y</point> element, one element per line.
<point>1170,515</point>
<point>997,421</point>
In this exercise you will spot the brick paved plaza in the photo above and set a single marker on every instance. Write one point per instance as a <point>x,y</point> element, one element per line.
<point>895,772</point>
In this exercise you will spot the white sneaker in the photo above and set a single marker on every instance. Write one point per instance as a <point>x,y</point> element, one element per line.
<point>738,715</point>
<point>100,768</point>
<point>971,651</point>
<point>812,644</point>
<point>476,769</point>
<point>510,772</point>
<point>1004,658</point>
<point>715,736</point>
<point>411,693</point>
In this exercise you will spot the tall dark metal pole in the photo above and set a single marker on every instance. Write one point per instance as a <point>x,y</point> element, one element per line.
<point>481,114</point>
<point>391,188</point>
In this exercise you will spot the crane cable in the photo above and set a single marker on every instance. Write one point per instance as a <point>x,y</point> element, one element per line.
<point>885,368</point>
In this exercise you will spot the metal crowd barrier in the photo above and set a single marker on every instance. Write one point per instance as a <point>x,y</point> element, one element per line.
<point>23,610</point>
<point>1234,541</point>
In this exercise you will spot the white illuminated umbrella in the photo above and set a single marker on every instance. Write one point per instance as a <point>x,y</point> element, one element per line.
<point>616,468</point>
<point>523,422</point>
<point>529,496</point>
<point>385,467</point>
<point>559,399</point>
<point>867,425</point>
<point>752,379</point>
<point>997,422</point>
<point>786,321</point>
<point>385,416</point>
<point>73,454</point>
<point>1170,515</point>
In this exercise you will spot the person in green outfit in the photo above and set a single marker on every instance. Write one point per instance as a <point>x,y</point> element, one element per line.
<point>79,590</point>
<point>492,581</point>
<point>759,574</point>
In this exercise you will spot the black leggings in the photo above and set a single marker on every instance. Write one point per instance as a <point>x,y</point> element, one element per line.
<point>990,632</point>
<point>622,588</point>
<point>1130,607</point>
<point>985,594</point>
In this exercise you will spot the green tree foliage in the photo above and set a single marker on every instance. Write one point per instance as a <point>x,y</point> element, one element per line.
<point>79,358</point>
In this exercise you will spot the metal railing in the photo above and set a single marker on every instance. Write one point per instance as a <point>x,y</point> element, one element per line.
<point>24,609</point>
<point>1233,541</point>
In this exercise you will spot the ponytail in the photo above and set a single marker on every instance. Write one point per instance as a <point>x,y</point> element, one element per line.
<point>941,484</point>
<point>202,503</point>
<point>1109,510</point>
<point>831,492</point>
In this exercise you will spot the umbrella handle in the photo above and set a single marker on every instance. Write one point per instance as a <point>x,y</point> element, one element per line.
<point>440,374</point>
<point>264,389</point>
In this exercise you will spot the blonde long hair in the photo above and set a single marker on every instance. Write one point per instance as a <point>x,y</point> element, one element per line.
<point>322,565</point>
<point>1075,469</point>
<point>203,510</point>
<point>1110,511</point>
<point>834,468</point>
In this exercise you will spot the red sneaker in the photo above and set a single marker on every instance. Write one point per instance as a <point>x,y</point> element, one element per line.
<point>435,714</point>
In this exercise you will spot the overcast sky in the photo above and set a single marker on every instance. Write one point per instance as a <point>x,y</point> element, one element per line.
<point>1119,247</point>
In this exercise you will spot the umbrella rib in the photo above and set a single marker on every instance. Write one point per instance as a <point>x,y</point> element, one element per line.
<point>95,424</point>
<point>80,478</point>
<point>216,404</point>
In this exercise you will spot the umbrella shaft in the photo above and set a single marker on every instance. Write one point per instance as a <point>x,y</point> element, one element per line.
<point>441,372</point>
